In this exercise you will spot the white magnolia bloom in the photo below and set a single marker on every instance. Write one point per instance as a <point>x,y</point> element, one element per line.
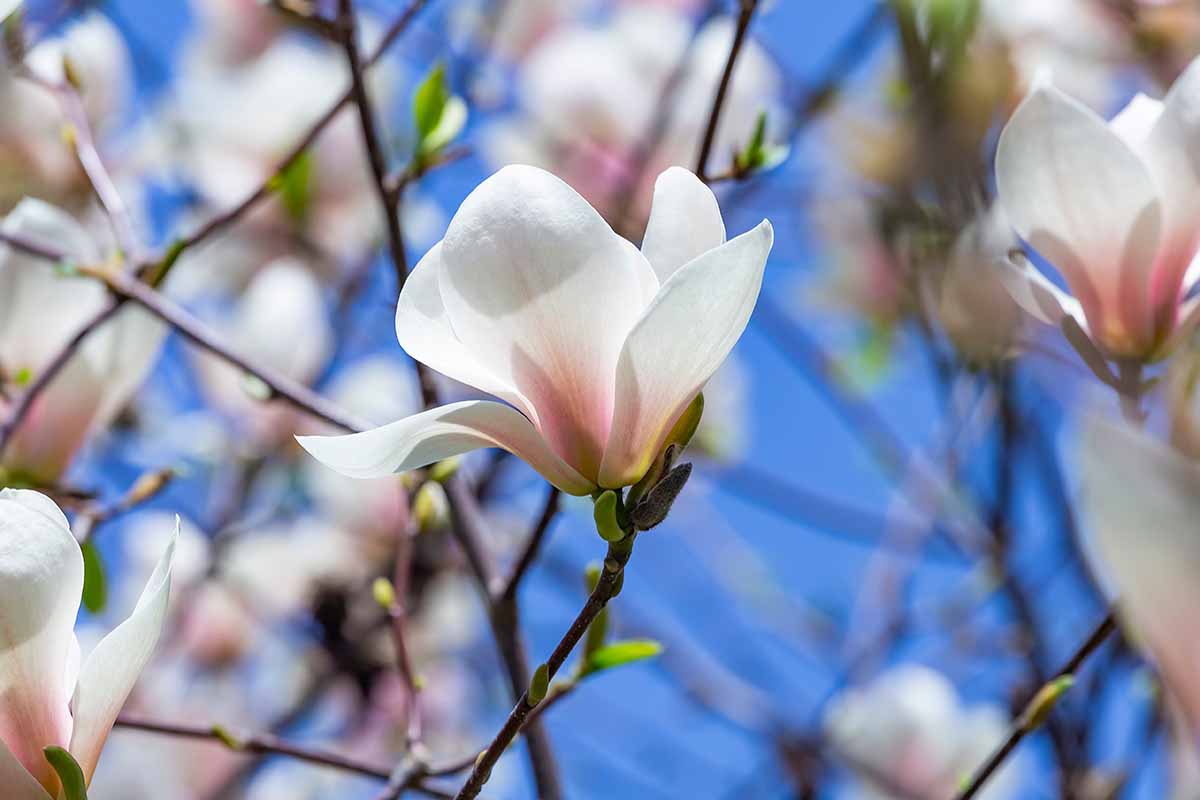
<point>40,311</point>
<point>595,347</point>
<point>588,98</point>
<point>34,157</point>
<point>1115,207</point>
<point>1083,42</point>
<point>48,696</point>
<point>376,389</point>
<point>280,320</point>
<point>1142,501</point>
<point>7,7</point>
<point>233,31</point>
<point>969,298</point>
<point>233,125</point>
<point>911,728</point>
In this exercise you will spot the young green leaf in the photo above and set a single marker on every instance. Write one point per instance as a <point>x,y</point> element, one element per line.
<point>70,775</point>
<point>429,101</point>
<point>295,187</point>
<point>618,654</point>
<point>95,588</point>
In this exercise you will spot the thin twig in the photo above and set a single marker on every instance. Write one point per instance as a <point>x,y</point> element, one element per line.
<point>532,547</point>
<point>1024,726</point>
<point>606,588</point>
<point>223,220</point>
<point>745,14</point>
<point>389,202</point>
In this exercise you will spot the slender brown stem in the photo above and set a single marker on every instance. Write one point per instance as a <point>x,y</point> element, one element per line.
<point>606,588</point>
<point>745,14</point>
<point>533,546</point>
<point>1023,727</point>
<point>231,215</point>
<point>389,201</point>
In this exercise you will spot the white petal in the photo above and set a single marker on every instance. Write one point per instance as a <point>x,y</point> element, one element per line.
<point>684,336</point>
<point>539,288</point>
<point>1143,501</point>
<point>1034,292</point>
<point>1136,120</point>
<point>439,433</point>
<point>424,332</point>
<point>1170,152</point>
<point>1077,192</point>
<point>111,670</point>
<point>41,580</point>
<point>685,221</point>
<point>17,782</point>
<point>39,308</point>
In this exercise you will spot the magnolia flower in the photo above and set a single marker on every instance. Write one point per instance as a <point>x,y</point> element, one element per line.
<point>1115,207</point>
<point>47,699</point>
<point>596,348</point>
<point>279,320</point>
<point>589,96</point>
<point>1142,500</point>
<point>40,311</point>
<point>34,157</point>
<point>968,298</point>
<point>897,729</point>
<point>376,389</point>
<point>234,31</point>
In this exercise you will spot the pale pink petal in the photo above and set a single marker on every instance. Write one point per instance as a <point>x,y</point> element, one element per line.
<point>17,782</point>
<point>1143,501</point>
<point>540,289</point>
<point>1084,199</point>
<point>111,670</point>
<point>685,221</point>
<point>681,340</point>
<point>1136,120</point>
<point>1034,292</point>
<point>1170,152</point>
<point>424,332</point>
<point>440,433</point>
<point>41,581</point>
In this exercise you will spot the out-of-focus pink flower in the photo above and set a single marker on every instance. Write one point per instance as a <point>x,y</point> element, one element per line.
<point>40,310</point>
<point>234,31</point>
<point>1114,207</point>
<point>1142,501</point>
<point>47,698</point>
<point>280,320</point>
<point>35,160</point>
<point>598,347</point>
<point>589,96</point>
<point>896,728</point>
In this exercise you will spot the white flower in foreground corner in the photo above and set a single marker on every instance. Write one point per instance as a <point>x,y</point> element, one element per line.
<point>910,729</point>
<point>47,699</point>
<point>598,347</point>
<point>1114,206</point>
<point>1142,501</point>
<point>40,311</point>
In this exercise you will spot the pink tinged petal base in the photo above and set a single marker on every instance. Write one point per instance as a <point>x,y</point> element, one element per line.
<point>685,222</point>
<point>680,341</point>
<point>41,581</point>
<point>1143,501</point>
<point>439,433</point>
<point>1080,195</point>
<point>110,671</point>
<point>17,782</point>
<point>538,287</point>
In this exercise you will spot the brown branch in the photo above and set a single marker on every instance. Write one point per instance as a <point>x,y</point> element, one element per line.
<point>221,221</point>
<point>745,14</point>
<point>606,588</point>
<point>389,202</point>
<point>532,547</point>
<point>1027,721</point>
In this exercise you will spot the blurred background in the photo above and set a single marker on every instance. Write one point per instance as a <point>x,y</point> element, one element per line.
<point>877,560</point>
